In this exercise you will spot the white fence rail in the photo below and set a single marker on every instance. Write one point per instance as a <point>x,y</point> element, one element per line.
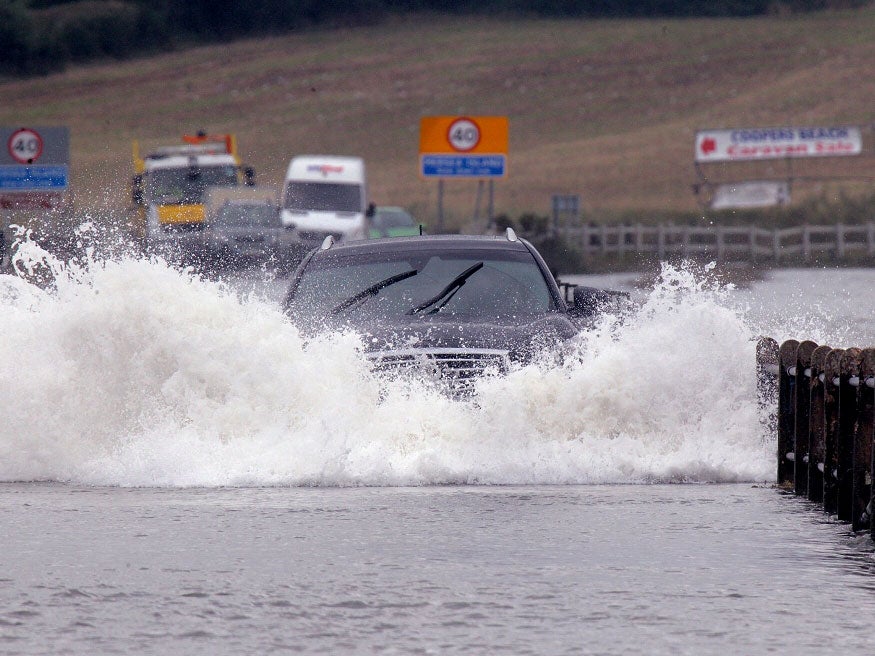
<point>723,242</point>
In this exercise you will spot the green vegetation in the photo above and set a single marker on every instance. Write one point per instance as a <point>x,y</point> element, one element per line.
<point>41,36</point>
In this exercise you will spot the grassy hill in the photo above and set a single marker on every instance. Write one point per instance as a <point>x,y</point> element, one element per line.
<point>605,108</point>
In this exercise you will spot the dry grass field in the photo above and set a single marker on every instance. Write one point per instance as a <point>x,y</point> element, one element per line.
<point>607,109</point>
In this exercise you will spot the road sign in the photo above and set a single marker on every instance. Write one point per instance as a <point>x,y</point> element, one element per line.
<point>25,146</point>
<point>776,143</point>
<point>35,144</point>
<point>463,146</point>
<point>34,166</point>
<point>29,178</point>
<point>463,166</point>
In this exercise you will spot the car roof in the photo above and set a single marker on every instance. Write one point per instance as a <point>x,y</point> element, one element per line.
<point>424,242</point>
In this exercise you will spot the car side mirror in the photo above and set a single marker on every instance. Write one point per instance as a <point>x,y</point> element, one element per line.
<point>588,302</point>
<point>372,209</point>
<point>249,176</point>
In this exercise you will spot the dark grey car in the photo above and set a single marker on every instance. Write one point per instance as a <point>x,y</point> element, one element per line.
<point>452,307</point>
<point>245,233</point>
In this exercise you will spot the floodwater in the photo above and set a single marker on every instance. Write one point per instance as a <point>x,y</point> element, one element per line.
<point>181,472</point>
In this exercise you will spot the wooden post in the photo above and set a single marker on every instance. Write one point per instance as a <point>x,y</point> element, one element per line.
<point>862,454</point>
<point>806,243</point>
<point>786,394</point>
<point>849,366</point>
<point>776,245</point>
<point>660,241</point>
<point>816,422</point>
<point>840,241</point>
<point>720,244</point>
<point>767,383</point>
<point>802,416</point>
<point>831,372</point>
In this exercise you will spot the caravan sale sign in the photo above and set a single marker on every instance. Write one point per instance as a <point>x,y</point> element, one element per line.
<point>776,143</point>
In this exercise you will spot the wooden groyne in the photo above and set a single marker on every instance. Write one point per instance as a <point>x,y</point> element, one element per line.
<point>822,402</point>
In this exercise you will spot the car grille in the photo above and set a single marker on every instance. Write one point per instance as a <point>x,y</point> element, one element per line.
<point>454,369</point>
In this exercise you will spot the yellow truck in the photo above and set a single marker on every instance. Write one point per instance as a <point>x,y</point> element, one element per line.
<point>170,184</point>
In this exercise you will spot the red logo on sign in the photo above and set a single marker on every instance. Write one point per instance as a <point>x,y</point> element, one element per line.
<point>708,145</point>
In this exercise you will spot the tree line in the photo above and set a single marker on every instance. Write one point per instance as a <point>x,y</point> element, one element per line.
<point>42,36</point>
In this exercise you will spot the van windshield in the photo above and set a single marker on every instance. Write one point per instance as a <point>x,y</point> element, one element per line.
<point>187,185</point>
<point>323,197</point>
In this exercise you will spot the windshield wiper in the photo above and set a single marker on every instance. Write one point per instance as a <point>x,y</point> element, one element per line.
<point>447,292</point>
<point>373,290</point>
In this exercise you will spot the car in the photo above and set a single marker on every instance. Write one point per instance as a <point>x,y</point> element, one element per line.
<point>446,307</point>
<point>249,232</point>
<point>388,221</point>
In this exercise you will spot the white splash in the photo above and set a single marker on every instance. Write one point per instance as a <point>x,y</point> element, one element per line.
<point>130,372</point>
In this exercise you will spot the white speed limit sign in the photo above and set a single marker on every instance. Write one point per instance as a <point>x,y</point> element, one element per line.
<point>463,134</point>
<point>25,146</point>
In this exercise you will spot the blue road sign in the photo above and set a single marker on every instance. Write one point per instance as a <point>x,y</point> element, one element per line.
<point>33,178</point>
<point>463,166</point>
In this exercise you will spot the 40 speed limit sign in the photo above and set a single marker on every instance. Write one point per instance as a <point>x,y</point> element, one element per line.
<point>463,146</point>
<point>25,146</point>
<point>463,134</point>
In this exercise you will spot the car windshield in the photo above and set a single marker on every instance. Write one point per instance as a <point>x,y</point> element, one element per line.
<point>260,215</point>
<point>393,219</point>
<point>187,185</point>
<point>323,197</point>
<point>508,284</point>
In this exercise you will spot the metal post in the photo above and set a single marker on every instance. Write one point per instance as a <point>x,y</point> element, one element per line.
<point>831,373</point>
<point>802,416</point>
<point>440,206</point>
<point>786,394</point>
<point>477,201</point>
<point>491,206</point>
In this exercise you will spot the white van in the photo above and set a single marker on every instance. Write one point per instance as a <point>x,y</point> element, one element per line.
<point>326,195</point>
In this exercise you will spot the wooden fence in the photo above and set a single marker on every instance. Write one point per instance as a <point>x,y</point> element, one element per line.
<point>723,242</point>
<point>823,402</point>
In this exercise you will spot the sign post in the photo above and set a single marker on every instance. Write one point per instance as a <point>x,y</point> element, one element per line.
<point>34,173</point>
<point>722,147</point>
<point>463,147</point>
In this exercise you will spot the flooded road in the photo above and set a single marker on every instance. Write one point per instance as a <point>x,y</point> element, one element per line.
<point>183,472</point>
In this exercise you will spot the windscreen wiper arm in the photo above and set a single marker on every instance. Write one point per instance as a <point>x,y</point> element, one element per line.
<point>373,290</point>
<point>448,291</point>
